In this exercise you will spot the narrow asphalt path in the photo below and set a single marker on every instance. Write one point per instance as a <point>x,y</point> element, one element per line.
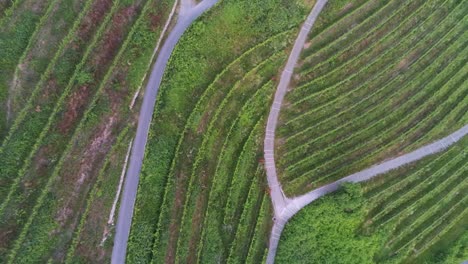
<point>279,200</point>
<point>285,207</point>
<point>127,204</point>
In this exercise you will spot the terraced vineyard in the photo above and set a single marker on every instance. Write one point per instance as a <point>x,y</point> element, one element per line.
<point>376,79</point>
<point>67,85</point>
<point>202,195</point>
<point>416,214</point>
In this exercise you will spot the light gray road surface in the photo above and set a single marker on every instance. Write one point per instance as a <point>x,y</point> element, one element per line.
<point>277,195</point>
<point>188,14</point>
<point>279,200</point>
<point>284,207</point>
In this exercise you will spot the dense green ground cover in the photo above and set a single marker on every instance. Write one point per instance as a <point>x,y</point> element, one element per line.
<point>61,160</point>
<point>415,214</point>
<point>202,194</point>
<point>376,79</point>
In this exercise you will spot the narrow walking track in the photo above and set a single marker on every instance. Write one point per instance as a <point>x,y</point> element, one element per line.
<point>186,17</point>
<point>284,207</point>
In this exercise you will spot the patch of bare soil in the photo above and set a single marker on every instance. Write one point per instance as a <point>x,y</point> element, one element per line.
<point>155,20</point>
<point>38,6</point>
<point>99,144</point>
<point>76,103</point>
<point>113,38</point>
<point>181,184</point>
<point>51,88</point>
<point>346,8</point>
<point>198,219</point>
<point>94,18</point>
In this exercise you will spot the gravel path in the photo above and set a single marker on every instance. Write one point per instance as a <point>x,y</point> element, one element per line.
<point>127,203</point>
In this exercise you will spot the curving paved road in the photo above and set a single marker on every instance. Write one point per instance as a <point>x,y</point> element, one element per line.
<point>284,207</point>
<point>280,201</point>
<point>187,15</point>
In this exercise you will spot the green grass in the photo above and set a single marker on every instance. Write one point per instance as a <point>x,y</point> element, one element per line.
<point>325,232</point>
<point>205,141</point>
<point>394,81</point>
<point>415,214</point>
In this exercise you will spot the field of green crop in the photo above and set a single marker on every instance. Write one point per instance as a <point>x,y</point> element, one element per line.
<point>70,69</point>
<point>416,214</point>
<point>203,193</point>
<point>376,79</point>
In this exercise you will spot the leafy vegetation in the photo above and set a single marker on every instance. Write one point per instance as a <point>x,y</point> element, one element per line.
<point>393,81</point>
<point>325,232</point>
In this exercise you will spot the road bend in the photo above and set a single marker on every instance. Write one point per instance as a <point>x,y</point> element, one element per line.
<point>188,14</point>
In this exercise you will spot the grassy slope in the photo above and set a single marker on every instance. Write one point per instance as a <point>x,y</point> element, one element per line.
<point>185,187</point>
<point>426,225</point>
<point>96,124</point>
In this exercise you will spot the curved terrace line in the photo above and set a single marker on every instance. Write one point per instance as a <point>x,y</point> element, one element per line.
<point>284,207</point>
<point>187,16</point>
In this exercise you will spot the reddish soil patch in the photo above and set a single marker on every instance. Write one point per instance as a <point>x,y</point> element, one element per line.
<point>406,62</point>
<point>41,161</point>
<point>93,18</point>
<point>155,20</point>
<point>6,235</point>
<point>198,218</point>
<point>113,38</point>
<point>203,123</point>
<point>74,106</point>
